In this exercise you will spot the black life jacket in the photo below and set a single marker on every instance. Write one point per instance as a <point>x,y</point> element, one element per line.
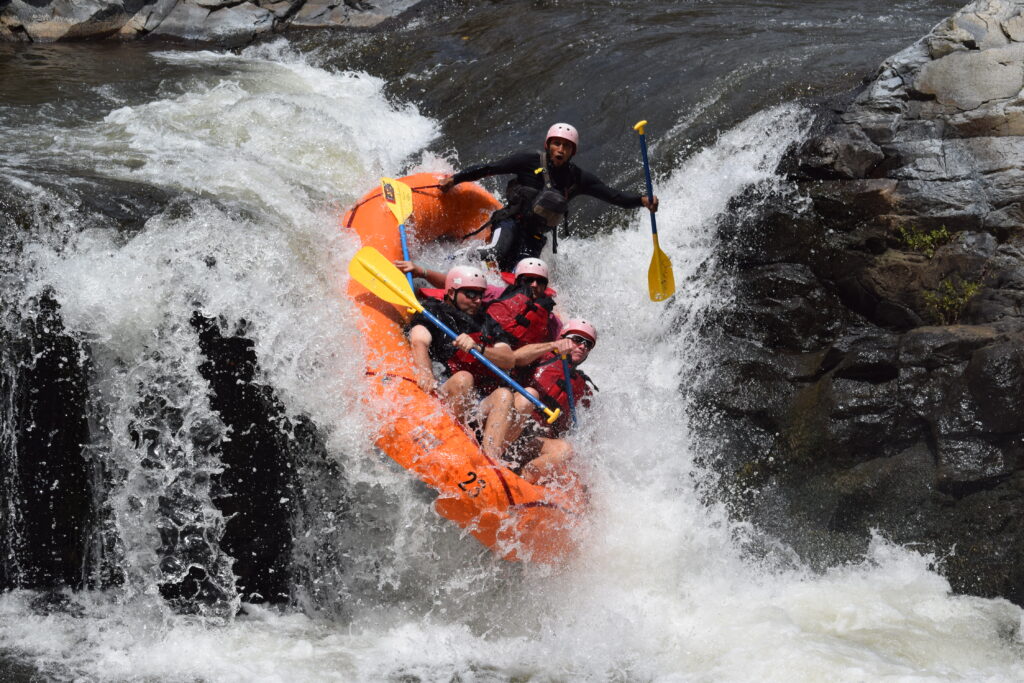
<point>526,320</point>
<point>541,209</point>
<point>549,380</point>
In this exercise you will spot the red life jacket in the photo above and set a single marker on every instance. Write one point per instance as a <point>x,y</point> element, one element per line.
<point>549,380</point>
<point>526,320</point>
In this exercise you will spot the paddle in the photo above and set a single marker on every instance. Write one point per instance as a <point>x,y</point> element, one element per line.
<point>370,269</point>
<point>660,280</point>
<point>398,197</point>
<point>568,388</point>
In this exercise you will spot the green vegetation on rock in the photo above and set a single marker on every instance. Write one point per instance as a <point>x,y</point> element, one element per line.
<point>948,301</point>
<point>924,241</point>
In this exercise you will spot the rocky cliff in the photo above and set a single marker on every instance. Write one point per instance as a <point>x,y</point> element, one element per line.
<point>199,20</point>
<point>871,373</point>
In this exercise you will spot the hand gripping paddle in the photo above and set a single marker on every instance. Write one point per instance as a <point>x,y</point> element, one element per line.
<point>398,197</point>
<point>372,270</point>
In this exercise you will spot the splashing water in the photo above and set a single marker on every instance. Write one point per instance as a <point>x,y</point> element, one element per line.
<point>259,144</point>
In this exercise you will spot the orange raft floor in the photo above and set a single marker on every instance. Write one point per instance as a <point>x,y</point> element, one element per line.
<point>518,520</point>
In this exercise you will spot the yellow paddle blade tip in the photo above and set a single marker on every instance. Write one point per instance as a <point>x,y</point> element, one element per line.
<point>553,414</point>
<point>639,127</point>
<point>398,197</point>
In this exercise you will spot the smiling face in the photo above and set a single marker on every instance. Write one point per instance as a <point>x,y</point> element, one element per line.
<point>560,151</point>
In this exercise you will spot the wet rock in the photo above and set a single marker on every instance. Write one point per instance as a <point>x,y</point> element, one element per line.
<point>902,278</point>
<point>46,475</point>
<point>184,20</point>
<point>845,152</point>
<point>194,20</point>
<point>995,377</point>
<point>970,461</point>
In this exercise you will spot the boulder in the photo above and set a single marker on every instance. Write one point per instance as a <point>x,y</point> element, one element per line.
<point>868,372</point>
<point>240,20</point>
<point>225,21</point>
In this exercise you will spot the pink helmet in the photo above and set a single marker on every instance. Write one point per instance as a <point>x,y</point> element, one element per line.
<point>531,266</point>
<point>581,327</point>
<point>564,130</point>
<point>462,277</point>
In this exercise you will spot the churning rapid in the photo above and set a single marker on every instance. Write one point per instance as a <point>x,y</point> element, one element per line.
<point>250,158</point>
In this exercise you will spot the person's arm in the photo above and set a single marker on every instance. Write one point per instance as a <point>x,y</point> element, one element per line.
<point>500,353</point>
<point>434,277</point>
<point>517,163</point>
<point>420,339</point>
<point>531,353</point>
<point>592,186</point>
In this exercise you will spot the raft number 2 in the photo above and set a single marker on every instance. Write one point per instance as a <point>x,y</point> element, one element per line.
<point>480,484</point>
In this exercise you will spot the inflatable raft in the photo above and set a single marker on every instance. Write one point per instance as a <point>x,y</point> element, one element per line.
<point>518,520</point>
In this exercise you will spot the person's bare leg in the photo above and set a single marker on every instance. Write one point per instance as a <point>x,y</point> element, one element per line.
<point>521,409</point>
<point>496,412</point>
<point>458,393</point>
<point>554,453</point>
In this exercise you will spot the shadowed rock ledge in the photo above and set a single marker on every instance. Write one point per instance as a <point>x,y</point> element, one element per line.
<point>871,370</point>
<point>200,20</point>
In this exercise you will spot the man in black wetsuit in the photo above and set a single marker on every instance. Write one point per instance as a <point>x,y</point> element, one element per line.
<point>538,197</point>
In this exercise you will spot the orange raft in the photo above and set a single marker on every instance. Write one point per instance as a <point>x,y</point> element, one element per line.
<point>516,519</point>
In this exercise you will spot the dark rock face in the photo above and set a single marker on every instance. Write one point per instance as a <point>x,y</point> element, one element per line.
<point>198,20</point>
<point>45,475</point>
<point>872,368</point>
<point>258,488</point>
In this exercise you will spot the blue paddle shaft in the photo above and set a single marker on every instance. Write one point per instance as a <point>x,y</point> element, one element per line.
<point>650,185</point>
<point>568,389</point>
<point>405,252</point>
<point>490,366</point>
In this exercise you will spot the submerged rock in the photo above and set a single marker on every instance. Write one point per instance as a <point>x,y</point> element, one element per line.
<point>901,283</point>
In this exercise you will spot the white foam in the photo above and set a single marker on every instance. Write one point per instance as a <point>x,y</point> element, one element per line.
<point>661,592</point>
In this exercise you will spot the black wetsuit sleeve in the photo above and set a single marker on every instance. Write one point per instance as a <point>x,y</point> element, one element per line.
<point>590,184</point>
<point>521,162</point>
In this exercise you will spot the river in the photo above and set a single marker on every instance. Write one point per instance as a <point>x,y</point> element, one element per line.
<point>144,182</point>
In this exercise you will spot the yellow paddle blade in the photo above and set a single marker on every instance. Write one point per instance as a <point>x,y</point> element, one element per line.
<point>372,270</point>
<point>660,280</point>
<point>398,197</point>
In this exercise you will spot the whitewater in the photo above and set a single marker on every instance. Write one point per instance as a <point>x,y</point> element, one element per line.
<point>266,149</point>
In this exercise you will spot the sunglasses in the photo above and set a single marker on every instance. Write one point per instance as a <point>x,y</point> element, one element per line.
<point>580,341</point>
<point>530,279</point>
<point>472,294</point>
